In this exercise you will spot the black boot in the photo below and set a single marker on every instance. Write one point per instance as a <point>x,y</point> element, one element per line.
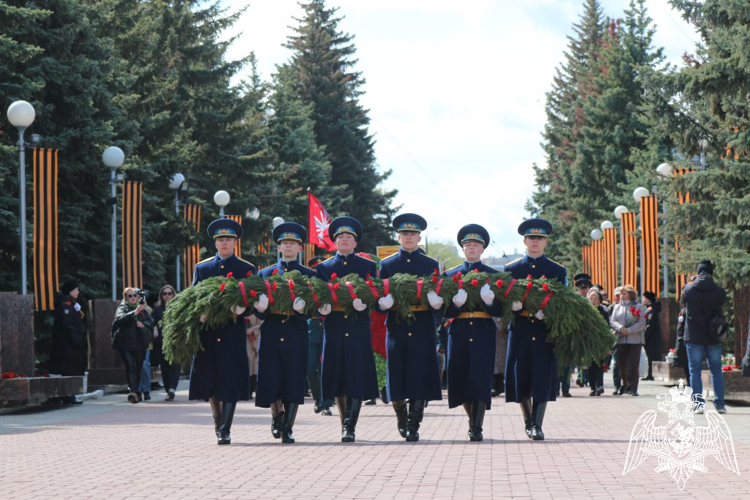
<point>384,395</point>
<point>276,424</point>
<point>416,412</point>
<point>341,405</point>
<point>400,408</point>
<point>537,418</point>
<point>216,412</point>
<point>467,409</point>
<point>477,419</point>
<point>353,406</point>
<point>225,423</point>
<point>526,409</point>
<point>253,384</point>
<point>287,422</point>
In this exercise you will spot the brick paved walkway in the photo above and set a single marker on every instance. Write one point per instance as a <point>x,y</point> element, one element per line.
<point>110,449</point>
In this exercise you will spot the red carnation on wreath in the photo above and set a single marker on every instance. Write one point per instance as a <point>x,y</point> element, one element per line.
<point>474,283</point>
<point>334,276</point>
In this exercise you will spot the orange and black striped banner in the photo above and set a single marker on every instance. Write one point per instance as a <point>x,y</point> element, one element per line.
<point>238,244</point>
<point>629,250</point>
<point>610,259</point>
<point>132,243</point>
<point>681,278</point>
<point>597,260</point>
<point>191,255</point>
<point>650,244</point>
<point>308,253</point>
<point>45,229</point>
<point>586,267</point>
<point>264,244</point>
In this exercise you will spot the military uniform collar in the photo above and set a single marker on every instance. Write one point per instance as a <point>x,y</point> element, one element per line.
<point>220,260</point>
<point>529,259</point>
<point>405,254</point>
<point>285,264</point>
<point>343,257</point>
<point>472,265</point>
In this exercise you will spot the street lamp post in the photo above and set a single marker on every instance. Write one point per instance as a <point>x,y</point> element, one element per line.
<point>221,198</point>
<point>21,115</point>
<point>177,184</point>
<point>113,158</point>
<point>664,170</point>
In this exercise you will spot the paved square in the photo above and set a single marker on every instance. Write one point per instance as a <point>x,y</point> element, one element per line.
<point>109,449</point>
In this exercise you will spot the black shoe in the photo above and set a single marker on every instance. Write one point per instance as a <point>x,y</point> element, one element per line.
<point>567,395</point>
<point>216,413</point>
<point>600,391</point>
<point>132,398</point>
<point>477,419</point>
<point>616,392</point>
<point>416,413</point>
<point>371,402</point>
<point>647,378</point>
<point>401,416</point>
<point>633,393</point>
<point>621,391</point>
<point>537,416</point>
<point>579,383</point>
<point>526,410</point>
<point>326,412</point>
<point>592,393</point>
<point>147,396</point>
<point>353,407</point>
<point>317,408</point>
<point>290,414</point>
<point>276,425</point>
<point>170,395</point>
<point>225,422</point>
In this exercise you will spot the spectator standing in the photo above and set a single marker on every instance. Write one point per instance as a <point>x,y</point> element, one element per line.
<point>170,372</point>
<point>628,320</point>
<point>704,299</point>
<point>596,373</point>
<point>68,355</point>
<point>653,331</point>
<point>131,334</point>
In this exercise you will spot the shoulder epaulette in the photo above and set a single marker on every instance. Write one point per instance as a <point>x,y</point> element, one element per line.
<point>329,258</point>
<point>514,261</point>
<point>554,262</point>
<point>206,260</point>
<point>366,258</point>
<point>454,267</point>
<point>390,256</point>
<point>245,261</point>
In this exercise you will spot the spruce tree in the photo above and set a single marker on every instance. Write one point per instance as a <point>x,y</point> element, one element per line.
<point>323,67</point>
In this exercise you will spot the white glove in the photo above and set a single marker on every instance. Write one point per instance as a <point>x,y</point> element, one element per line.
<point>680,319</point>
<point>325,310</point>
<point>299,304</point>
<point>460,298</point>
<point>488,296</point>
<point>203,319</point>
<point>517,306</point>
<point>386,302</point>
<point>539,315</point>
<point>358,305</point>
<point>435,300</point>
<point>262,303</point>
<point>237,310</point>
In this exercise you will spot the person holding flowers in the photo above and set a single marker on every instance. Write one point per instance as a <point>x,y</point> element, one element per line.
<point>282,355</point>
<point>471,335</point>
<point>628,321</point>
<point>348,372</point>
<point>531,374</point>
<point>220,372</point>
<point>412,368</point>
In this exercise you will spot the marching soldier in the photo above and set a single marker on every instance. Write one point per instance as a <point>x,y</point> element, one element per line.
<point>471,335</point>
<point>348,363</point>
<point>412,368</point>
<point>315,346</point>
<point>531,369</point>
<point>282,358</point>
<point>220,373</point>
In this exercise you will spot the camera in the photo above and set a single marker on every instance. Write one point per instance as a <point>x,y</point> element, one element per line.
<point>142,294</point>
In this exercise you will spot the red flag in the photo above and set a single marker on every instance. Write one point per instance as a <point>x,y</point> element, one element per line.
<point>318,222</point>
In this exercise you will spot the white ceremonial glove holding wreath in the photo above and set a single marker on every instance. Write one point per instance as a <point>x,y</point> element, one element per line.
<point>386,302</point>
<point>460,298</point>
<point>539,315</point>
<point>488,296</point>
<point>237,310</point>
<point>325,309</point>
<point>299,305</point>
<point>435,300</point>
<point>262,303</point>
<point>516,306</point>
<point>358,305</point>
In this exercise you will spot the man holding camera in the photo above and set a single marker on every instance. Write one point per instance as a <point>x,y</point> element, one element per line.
<point>221,371</point>
<point>704,300</point>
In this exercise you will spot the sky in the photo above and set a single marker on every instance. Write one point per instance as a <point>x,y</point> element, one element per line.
<point>455,93</point>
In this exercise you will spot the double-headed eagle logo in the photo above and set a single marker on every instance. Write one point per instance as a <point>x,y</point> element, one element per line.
<point>681,446</point>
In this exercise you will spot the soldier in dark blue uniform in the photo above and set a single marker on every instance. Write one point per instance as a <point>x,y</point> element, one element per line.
<point>220,373</point>
<point>348,363</point>
<point>531,366</point>
<point>471,335</point>
<point>282,354</point>
<point>412,369</point>
<point>315,346</point>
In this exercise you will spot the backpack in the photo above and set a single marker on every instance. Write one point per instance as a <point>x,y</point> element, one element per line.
<point>717,324</point>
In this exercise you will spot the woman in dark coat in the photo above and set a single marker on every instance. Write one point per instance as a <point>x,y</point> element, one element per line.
<point>170,372</point>
<point>132,333</point>
<point>653,331</point>
<point>596,372</point>
<point>68,356</point>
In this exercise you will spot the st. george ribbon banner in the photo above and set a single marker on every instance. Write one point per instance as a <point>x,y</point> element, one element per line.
<point>46,274</point>
<point>238,242</point>
<point>629,250</point>
<point>132,239</point>
<point>191,255</point>
<point>650,244</point>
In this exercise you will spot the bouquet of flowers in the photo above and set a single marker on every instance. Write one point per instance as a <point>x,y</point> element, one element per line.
<point>671,356</point>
